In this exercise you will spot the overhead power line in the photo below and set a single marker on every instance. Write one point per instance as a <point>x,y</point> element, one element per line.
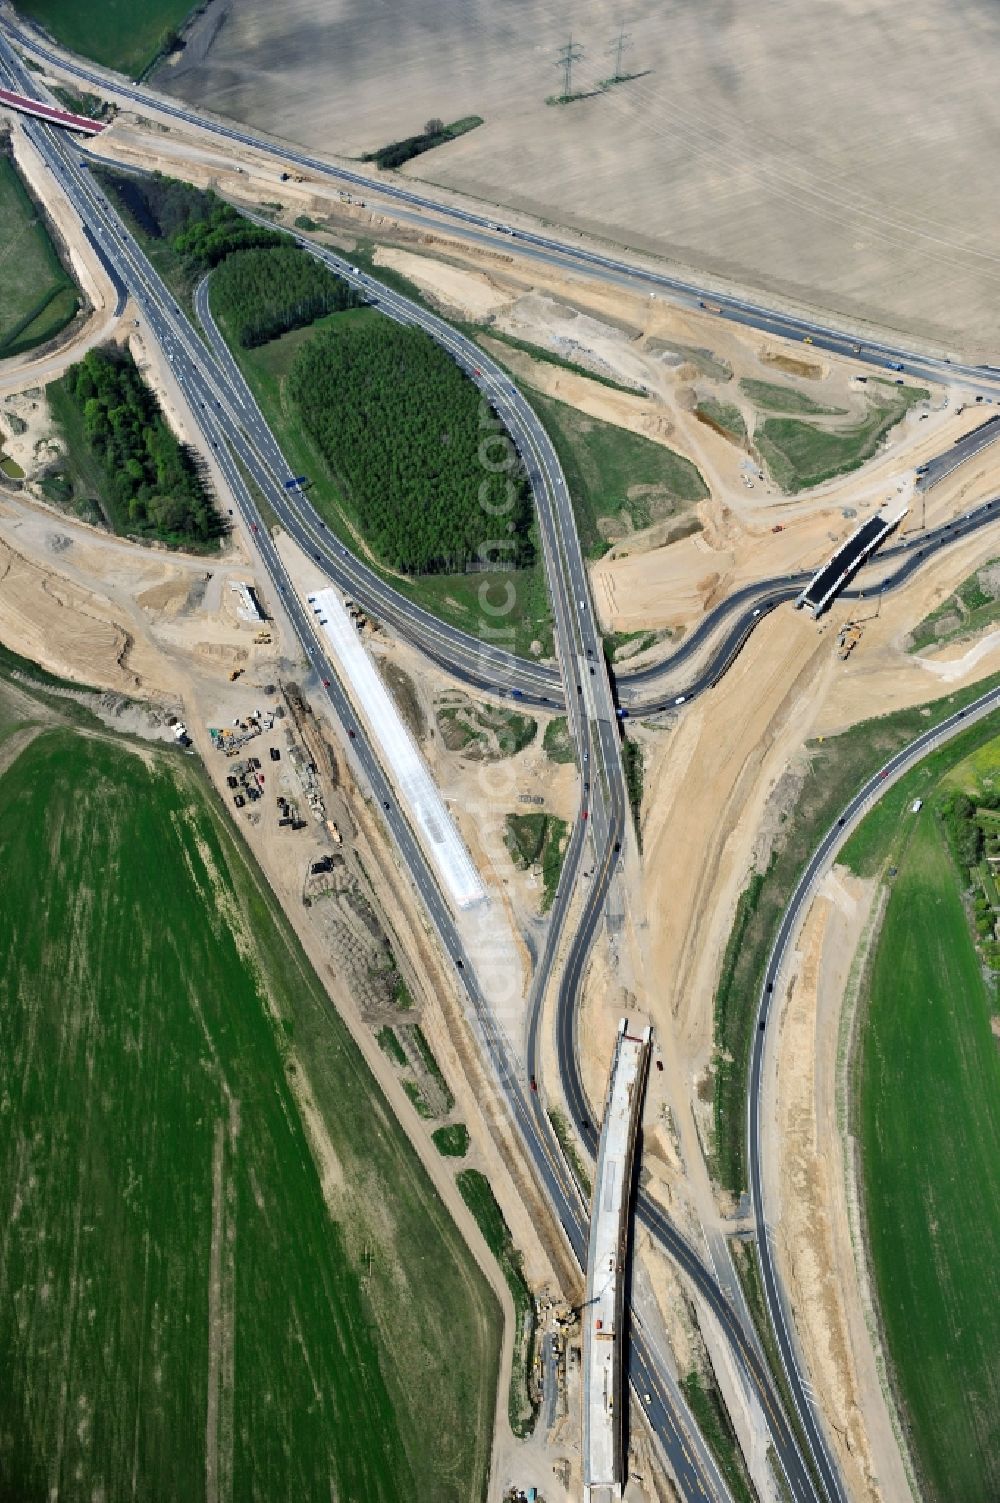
<point>568,55</point>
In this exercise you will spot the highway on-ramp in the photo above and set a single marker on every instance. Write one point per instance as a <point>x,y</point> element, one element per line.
<point>688,1457</point>
<point>586,691</point>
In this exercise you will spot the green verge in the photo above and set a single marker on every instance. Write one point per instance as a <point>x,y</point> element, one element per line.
<point>479,1197</point>
<point>973,606</point>
<point>433,1068</point>
<point>547,357</point>
<point>127,35</point>
<point>538,841</point>
<point>613,473</point>
<point>712,1420</point>
<point>452,1140</point>
<point>155,1147</point>
<point>633,765</point>
<point>38,297</point>
<point>775,398</point>
<point>390,1046</point>
<point>837,768</point>
<point>799,454</point>
<point>927,1110</point>
<point>557,742</point>
<point>567,1142</point>
<point>725,417</point>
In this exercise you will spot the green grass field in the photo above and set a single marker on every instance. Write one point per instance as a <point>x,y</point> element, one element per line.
<point>121,34</point>
<point>612,473</point>
<point>182,1313</point>
<point>479,1197</point>
<point>800,454</point>
<point>929,1118</point>
<point>37,295</point>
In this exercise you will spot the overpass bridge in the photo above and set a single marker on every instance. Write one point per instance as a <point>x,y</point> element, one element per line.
<point>49,113</point>
<point>605,1395</point>
<point>848,558</point>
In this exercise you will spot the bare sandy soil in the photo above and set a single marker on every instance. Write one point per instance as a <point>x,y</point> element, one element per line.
<point>834,155</point>
<point>807,1196</point>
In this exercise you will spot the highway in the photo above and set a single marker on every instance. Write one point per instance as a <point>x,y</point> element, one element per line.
<point>218,403</point>
<point>818,865</point>
<point>477,664</point>
<point>575,257</point>
<point>218,417</point>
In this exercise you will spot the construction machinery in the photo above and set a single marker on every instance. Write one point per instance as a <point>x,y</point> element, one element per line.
<point>848,638</point>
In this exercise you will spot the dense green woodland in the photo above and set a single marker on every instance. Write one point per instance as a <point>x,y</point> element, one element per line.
<point>152,483</point>
<point>400,428</point>
<point>264,293</point>
<point>201,228</point>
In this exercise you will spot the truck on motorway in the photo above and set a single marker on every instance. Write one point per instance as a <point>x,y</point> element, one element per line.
<point>894,365</point>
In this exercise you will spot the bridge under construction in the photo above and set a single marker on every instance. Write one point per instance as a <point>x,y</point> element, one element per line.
<point>604,1329</point>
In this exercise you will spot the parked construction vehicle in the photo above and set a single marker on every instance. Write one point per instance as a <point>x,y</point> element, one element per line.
<point>848,638</point>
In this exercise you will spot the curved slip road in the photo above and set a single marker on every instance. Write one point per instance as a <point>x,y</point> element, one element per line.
<point>818,865</point>
<point>687,1455</point>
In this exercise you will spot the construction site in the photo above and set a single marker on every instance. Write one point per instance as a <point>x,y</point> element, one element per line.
<point>876,553</point>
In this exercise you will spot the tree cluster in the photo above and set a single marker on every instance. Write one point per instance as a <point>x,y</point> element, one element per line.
<point>264,293</point>
<point>428,473</point>
<point>201,227</point>
<point>152,484</point>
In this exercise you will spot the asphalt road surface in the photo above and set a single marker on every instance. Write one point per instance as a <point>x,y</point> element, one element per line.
<point>587,692</point>
<point>687,1454</point>
<point>819,863</point>
<point>578,257</point>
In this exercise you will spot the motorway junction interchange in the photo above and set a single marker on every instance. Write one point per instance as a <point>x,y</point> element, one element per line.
<point>563,912</point>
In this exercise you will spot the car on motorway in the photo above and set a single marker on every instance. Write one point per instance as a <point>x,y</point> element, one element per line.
<point>680,699</point>
<point>326,683</point>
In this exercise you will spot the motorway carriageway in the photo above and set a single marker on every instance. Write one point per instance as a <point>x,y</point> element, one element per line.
<point>695,1468</point>
<point>687,1257</point>
<point>742,630</point>
<point>777,968</point>
<point>490,669</point>
<point>576,257</point>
